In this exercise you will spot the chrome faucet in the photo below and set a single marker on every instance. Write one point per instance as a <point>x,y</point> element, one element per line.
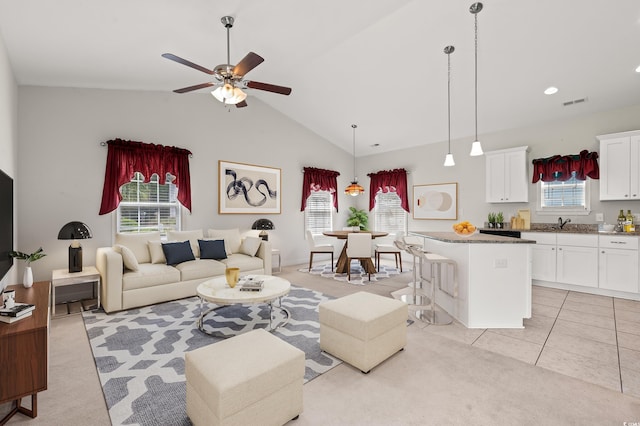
<point>561,224</point>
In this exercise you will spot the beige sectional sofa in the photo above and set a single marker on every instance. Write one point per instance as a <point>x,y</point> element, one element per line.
<point>134,272</point>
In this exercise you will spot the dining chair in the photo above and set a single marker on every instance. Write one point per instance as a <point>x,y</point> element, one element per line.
<point>358,247</point>
<point>314,248</point>
<point>389,248</point>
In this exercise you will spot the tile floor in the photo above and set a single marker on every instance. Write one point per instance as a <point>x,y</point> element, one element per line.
<point>589,337</point>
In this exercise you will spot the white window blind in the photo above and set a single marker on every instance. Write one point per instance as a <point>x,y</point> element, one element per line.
<point>148,207</point>
<point>557,196</point>
<point>388,214</point>
<point>319,212</point>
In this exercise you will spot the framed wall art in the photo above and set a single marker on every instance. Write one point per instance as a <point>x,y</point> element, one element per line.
<point>435,201</point>
<point>248,189</point>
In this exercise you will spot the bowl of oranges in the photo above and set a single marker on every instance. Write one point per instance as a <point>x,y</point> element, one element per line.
<point>465,229</point>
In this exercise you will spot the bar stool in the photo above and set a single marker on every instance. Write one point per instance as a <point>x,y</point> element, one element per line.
<point>414,298</point>
<point>430,315</point>
<point>413,241</point>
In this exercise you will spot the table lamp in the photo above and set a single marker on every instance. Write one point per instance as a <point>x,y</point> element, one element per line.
<point>263,225</point>
<point>75,231</point>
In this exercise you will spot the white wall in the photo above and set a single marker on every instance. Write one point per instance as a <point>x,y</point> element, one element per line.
<point>61,162</point>
<point>9,136</point>
<point>561,137</point>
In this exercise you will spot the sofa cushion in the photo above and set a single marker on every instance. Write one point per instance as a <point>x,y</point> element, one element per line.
<point>149,275</point>
<point>137,243</point>
<point>231,238</point>
<point>200,268</point>
<point>177,252</point>
<point>128,258</point>
<point>192,236</point>
<point>156,252</point>
<point>244,262</point>
<point>250,246</point>
<point>212,249</point>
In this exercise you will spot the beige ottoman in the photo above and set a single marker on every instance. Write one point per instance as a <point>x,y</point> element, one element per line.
<point>250,379</point>
<point>363,329</point>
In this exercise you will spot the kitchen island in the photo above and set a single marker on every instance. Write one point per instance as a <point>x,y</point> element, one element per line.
<point>493,278</point>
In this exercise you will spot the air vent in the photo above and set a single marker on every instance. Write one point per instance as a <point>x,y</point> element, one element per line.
<point>575,101</point>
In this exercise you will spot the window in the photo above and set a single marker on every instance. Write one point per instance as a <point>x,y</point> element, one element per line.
<point>388,214</point>
<point>318,214</point>
<point>564,196</point>
<point>148,207</point>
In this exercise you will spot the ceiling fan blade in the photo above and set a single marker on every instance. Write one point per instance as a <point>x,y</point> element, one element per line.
<point>268,87</point>
<point>248,63</point>
<point>179,60</point>
<point>196,87</point>
<point>241,104</point>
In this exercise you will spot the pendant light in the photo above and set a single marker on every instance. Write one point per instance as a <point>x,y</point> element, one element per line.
<point>448,160</point>
<point>476,147</point>
<point>354,189</point>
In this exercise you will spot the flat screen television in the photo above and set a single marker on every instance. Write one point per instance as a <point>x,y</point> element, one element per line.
<point>6,225</point>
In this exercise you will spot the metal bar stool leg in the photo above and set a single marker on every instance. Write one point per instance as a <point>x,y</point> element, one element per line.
<point>431,316</point>
<point>414,298</point>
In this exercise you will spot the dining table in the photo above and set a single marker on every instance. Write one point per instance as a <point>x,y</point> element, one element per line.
<point>342,266</point>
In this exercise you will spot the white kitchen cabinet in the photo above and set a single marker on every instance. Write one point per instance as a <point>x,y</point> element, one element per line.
<point>618,263</point>
<point>577,259</point>
<point>543,255</point>
<point>619,166</point>
<point>507,176</point>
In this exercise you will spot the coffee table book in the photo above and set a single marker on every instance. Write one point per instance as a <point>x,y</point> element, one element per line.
<point>18,310</point>
<point>10,319</point>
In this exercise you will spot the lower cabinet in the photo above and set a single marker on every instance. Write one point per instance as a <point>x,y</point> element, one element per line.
<point>577,265</point>
<point>618,263</point>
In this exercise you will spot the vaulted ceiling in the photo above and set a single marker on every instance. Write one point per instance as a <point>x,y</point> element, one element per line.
<point>378,63</point>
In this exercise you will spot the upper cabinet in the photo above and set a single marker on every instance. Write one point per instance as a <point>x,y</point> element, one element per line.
<point>619,164</point>
<point>507,178</point>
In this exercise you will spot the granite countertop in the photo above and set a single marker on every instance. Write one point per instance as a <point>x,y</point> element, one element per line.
<point>452,237</point>
<point>573,228</point>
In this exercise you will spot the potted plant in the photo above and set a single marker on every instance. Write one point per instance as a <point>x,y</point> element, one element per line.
<point>358,218</point>
<point>499,220</point>
<point>491,218</point>
<point>27,280</point>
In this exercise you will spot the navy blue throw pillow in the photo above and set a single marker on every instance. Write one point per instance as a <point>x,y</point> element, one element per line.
<point>177,252</point>
<point>212,249</point>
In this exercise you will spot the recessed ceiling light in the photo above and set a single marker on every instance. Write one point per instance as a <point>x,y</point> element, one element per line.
<point>638,69</point>
<point>550,90</point>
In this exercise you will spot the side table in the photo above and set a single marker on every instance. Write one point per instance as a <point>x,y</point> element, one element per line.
<point>276,252</point>
<point>62,277</point>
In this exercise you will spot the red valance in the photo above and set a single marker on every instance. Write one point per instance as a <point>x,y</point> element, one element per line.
<point>389,181</point>
<point>319,180</point>
<point>561,167</point>
<point>124,158</point>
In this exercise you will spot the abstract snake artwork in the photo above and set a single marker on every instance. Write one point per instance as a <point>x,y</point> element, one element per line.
<point>243,185</point>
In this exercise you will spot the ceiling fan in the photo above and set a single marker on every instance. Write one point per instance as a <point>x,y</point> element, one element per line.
<point>229,79</point>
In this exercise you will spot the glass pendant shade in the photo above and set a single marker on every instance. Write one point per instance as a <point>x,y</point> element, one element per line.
<point>476,149</point>
<point>231,97</point>
<point>354,189</point>
<point>448,160</point>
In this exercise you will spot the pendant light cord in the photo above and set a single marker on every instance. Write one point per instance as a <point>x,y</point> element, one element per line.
<point>476,73</point>
<point>449,98</point>
<point>355,179</point>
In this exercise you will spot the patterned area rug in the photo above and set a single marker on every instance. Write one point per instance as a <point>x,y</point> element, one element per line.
<point>139,353</point>
<point>358,276</point>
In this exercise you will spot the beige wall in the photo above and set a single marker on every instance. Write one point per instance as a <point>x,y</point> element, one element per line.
<point>8,134</point>
<point>568,136</point>
<point>61,162</point>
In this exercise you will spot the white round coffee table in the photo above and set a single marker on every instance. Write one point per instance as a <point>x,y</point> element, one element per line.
<point>218,292</point>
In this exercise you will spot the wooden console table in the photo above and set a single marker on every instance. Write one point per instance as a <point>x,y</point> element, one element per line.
<point>24,351</point>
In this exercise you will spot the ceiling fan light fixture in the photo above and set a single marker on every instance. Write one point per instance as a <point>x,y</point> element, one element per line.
<point>234,97</point>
